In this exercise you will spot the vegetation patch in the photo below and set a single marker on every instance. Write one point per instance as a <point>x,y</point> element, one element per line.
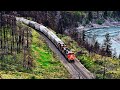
<point>101,66</point>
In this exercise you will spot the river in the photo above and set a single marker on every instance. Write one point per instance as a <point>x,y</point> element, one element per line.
<point>114,33</point>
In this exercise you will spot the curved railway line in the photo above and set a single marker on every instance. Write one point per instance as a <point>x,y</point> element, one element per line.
<point>76,69</point>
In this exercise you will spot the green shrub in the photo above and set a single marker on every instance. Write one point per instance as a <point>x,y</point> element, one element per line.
<point>100,21</point>
<point>32,77</point>
<point>87,61</point>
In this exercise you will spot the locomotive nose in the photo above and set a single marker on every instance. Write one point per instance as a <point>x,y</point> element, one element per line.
<point>71,56</point>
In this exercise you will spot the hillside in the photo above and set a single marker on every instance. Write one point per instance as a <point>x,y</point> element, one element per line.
<point>45,63</point>
<point>70,27</point>
<point>100,66</point>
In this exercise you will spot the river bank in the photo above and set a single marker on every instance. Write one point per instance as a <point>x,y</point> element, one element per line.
<point>106,24</point>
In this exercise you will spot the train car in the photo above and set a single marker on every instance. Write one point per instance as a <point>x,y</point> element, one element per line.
<point>32,24</point>
<point>69,55</point>
<point>51,36</point>
<point>43,29</point>
<point>26,21</point>
<point>37,26</point>
<point>19,19</point>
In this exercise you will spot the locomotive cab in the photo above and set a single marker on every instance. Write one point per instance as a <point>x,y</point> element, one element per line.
<point>70,55</point>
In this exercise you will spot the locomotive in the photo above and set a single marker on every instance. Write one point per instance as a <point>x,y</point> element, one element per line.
<point>69,55</point>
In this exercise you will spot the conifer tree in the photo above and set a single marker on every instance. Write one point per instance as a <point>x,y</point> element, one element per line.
<point>96,47</point>
<point>114,53</point>
<point>107,45</point>
<point>90,16</point>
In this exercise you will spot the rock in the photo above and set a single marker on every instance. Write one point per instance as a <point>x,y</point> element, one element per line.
<point>80,27</point>
<point>117,38</point>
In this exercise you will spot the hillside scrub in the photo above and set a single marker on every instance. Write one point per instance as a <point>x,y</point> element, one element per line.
<point>101,66</point>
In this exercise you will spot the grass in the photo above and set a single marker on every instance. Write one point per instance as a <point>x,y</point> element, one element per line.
<point>46,63</point>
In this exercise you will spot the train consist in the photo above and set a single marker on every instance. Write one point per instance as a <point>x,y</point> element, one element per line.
<point>70,56</point>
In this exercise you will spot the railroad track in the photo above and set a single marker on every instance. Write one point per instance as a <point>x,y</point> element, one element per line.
<point>83,72</point>
<point>76,69</point>
<point>80,74</point>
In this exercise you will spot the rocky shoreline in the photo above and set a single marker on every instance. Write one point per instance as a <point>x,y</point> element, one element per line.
<point>106,24</point>
<point>92,26</point>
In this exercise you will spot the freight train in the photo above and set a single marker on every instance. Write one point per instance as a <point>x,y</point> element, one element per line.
<point>69,55</point>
